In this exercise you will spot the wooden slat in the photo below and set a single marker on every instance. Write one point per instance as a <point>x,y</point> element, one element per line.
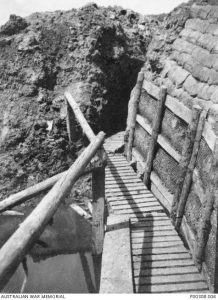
<point>155,233</point>
<point>137,210</point>
<point>152,245</point>
<point>173,288</point>
<point>147,251</point>
<point>162,264</point>
<point>153,228</point>
<point>155,239</point>
<point>144,196</point>
<point>165,271</point>
<point>160,257</point>
<point>176,278</point>
<point>125,205</point>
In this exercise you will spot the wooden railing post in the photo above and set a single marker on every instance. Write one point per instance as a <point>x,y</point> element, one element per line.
<point>132,112</point>
<point>98,206</point>
<point>71,124</point>
<point>13,251</point>
<point>185,158</point>
<point>154,136</point>
<point>190,169</point>
<point>212,202</point>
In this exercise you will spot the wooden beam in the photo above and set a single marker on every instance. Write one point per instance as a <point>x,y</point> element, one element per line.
<point>190,169</point>
<point>71,124</point>
<point>162,141</point>
<point>132,114</point>
<point>185,158</point>
<point>183,112</point>
<point>154,136</point>
<point>98,208</point>
<point>13,251</point>
<point>80,117</point>
<point>44,186</point>
<point>211,196</point>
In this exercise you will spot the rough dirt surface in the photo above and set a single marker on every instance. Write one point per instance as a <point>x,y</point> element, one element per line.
<point>95,52</point>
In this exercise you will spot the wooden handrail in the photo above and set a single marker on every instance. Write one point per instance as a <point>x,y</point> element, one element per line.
<point>45,185</point>
<point>80,117</point>
<point>13,251</point>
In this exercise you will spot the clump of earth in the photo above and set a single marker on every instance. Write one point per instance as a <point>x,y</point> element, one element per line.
<point>93,52</point>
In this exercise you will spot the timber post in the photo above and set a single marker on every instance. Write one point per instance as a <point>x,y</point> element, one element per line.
<point>185,157</point>
<point>190,169</point>
<point>98,205</point>
<point>155,132</point>
<point>205,224</point>
<point>70,121</point>
<point>132,112</point>
<point>13,251</point>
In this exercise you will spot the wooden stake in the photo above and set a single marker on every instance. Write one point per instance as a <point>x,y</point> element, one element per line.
<point>154,136</point>
<point>185,158</point>
<point>132,112</point>
<point>80,117</point>
<point>98,208</point>
<point>205,222</point>
<point>13,251</point>
<point>189,173</point>
<point>71,124</point>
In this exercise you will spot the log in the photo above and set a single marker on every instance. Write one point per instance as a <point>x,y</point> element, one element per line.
<point>71,125</point>
<point>98,209</point>
<point>190,169</point>
<point>13,251</point>
<point>211,196</point>
<point>45,185</point>
<point>132,114</point>
<point>154,136</point>
<point>185,158</point>
<point>80,117</point>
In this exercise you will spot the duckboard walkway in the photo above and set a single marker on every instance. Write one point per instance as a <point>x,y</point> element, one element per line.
<point>160,261</point>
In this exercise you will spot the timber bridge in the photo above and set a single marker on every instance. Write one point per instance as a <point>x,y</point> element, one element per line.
<point>143,251</point>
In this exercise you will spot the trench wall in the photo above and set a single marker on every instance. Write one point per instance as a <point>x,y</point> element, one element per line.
<point>191,77</point>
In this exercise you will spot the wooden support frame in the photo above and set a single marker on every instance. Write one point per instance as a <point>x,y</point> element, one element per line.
<point>181,111</point>
<point>133,107</point>
<point>205,224</point>
<point>190,169</point>
<point>154,136</point>
<point>19,243</point>
<point>185,157</point>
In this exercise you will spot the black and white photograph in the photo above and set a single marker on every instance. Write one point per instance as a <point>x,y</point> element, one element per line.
<point>108,149</point>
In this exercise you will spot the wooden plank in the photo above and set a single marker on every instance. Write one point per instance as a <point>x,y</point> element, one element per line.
<point>153,228</point>
<point>126,186</point>
<point>133,205</point>
<point>160,257</point>
<point>161,193</point>
<point>162,141</point>
<point>149,251</point>
<point>183,112</point>
<point>144,197</point>
<point>151,224</point>
<point>13,251</point>
<point>165,271</point>
<point>170,279</point>
<point>137,209</point>
<point>173,288</point>
<point>155,233</point>
<point>128,192</point>
<point>113,183</point>
<point>161,245</point>
<point>162,264</point>
<point>80,117</point>
<point>155,239</point>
